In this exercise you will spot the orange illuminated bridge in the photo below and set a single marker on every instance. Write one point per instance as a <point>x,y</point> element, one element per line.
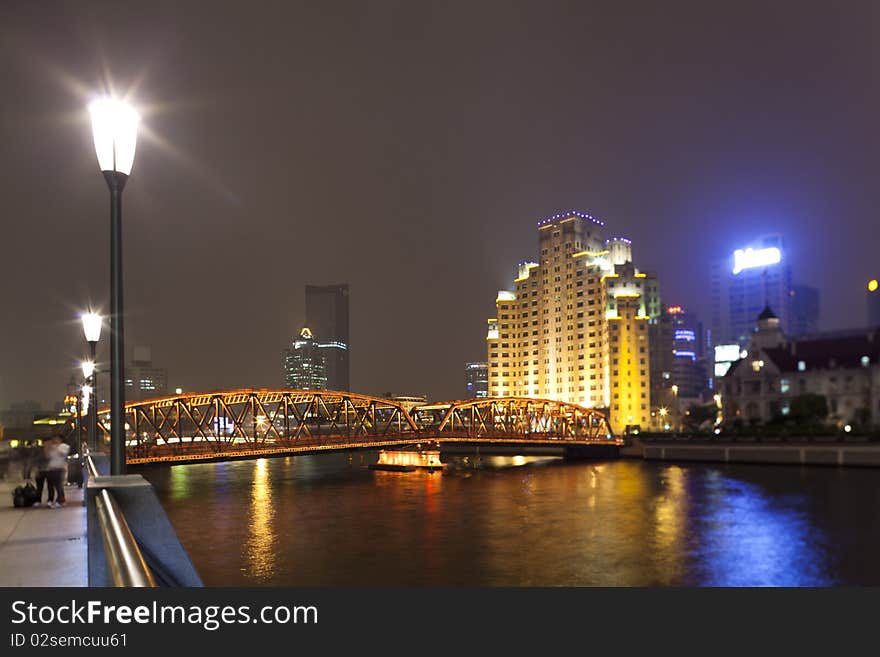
<point>257,422</point>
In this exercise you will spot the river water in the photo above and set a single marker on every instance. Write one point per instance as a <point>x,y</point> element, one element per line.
<point>325,520</point>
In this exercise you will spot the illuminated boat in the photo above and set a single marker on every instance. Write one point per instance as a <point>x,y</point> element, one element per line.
<point>408,461</point>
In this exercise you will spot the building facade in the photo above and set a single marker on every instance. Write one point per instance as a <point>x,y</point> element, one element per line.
<point>143,380</point>
<point>304,364</point>
<point>574,327</point>
<point>327,317</point>
<point>843,367</point>
<point>476,377</point>
<point>689,363</point>
<point>804,311</point>
<point>742,285</point>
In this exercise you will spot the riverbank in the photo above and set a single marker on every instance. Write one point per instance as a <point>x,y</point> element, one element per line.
<point>793,453</point>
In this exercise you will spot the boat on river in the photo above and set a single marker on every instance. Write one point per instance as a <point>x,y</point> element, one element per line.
<point>399,460</point>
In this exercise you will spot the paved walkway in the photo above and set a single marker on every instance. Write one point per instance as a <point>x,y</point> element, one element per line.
<point>40,546</point>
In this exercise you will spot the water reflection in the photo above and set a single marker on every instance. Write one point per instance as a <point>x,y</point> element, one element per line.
<point>259,549</point>
<point>327,520</point>
<point>750,539</point>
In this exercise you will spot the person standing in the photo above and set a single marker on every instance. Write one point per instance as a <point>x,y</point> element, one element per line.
<point>38,467</point>
<point>56,454</point>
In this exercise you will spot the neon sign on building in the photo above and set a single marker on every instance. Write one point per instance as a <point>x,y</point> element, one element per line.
<point>751,258</point>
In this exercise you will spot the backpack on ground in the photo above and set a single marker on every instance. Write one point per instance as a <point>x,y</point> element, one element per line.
<point>24,495</point>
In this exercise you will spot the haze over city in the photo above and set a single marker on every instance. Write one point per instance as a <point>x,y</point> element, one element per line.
<point>414,165</point>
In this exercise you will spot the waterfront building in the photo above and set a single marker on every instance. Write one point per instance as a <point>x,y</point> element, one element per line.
<point>873,302</point>
<point>476,376</point>
<point>409,402</point>
<point>753,277</point>
<point>304,363</point>
<point>574,327</point>
<point>842,366</point>
<point>327,317</point>
<point>804,311</point>
<point>144,380</point>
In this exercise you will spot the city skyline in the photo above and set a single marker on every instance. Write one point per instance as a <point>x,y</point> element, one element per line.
<point>430,183</point>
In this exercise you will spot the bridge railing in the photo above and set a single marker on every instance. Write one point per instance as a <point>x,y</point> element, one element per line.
<point>125,563</point>
<point>131,542</point>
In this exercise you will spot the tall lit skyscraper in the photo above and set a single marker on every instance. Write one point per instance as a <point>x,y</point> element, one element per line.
<point>327,317</point>
<point>753,278</point>
<point>304,364</point>
<point>574,328</point>
<point>804,311</point>
<point>476,376</point>
<point>689,367</point>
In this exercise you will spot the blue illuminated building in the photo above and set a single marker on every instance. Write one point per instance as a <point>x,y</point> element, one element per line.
<point>688,353</point>
<point>752,278</point>
<point>804,311</point>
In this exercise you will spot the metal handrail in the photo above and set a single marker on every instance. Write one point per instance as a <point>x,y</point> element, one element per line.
<point>124,559</point>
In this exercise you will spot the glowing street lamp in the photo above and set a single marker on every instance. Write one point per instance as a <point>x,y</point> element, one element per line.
<point>88,369</point>
<point>114,127</point>
<point>92,329</point>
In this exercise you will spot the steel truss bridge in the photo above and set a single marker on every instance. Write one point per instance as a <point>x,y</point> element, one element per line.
<point>250,423</point>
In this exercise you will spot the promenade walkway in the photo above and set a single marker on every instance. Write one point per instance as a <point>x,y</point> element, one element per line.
<point>40,546</point>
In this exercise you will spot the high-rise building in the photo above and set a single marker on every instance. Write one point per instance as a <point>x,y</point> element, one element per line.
<point>574,328</point>
<point>142,379</point>
<point>754,277</point>
<point>689,365</point>
<point>804,311</point>
<point>304,364</point>
<point>476,376</point>
<point>327,317</point>
<point>873,302</point>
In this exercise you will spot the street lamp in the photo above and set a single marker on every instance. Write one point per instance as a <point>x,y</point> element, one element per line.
<point>674,389</point>
<point>91,403</point>
<point>92,329</point>
<point>114,127</point>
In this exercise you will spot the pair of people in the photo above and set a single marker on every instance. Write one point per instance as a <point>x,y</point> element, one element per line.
<point>51,465</point>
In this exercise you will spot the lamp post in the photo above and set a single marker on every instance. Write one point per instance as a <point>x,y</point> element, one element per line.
<point>92,330</point>
<point>677,410</point>
<point>114,127</point>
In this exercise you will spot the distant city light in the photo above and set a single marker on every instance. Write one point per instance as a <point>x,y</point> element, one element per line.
<point>674,310</point>
<point>873,284</point>
<point>178,391</point>
<point>847,428</point>
<point>751,258</point>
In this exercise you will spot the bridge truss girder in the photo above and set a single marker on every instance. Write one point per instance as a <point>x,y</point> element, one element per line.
<point>253,420</point>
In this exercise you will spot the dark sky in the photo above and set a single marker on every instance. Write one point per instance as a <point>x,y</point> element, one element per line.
<point>409,148</point>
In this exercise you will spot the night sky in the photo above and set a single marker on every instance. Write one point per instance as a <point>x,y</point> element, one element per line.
<point>409,149</point>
